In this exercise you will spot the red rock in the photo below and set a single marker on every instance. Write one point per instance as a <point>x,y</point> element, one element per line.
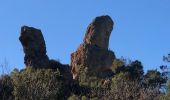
<point>93,54</point>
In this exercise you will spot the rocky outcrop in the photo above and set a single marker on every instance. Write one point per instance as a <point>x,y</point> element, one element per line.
<point>93,55</point>
<point>34,47</point>
<point>98,32</point>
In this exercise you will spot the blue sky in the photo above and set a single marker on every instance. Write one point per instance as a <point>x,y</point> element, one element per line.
<point>141,31</point>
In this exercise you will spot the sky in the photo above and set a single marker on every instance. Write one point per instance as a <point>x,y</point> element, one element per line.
<point>141,28</point>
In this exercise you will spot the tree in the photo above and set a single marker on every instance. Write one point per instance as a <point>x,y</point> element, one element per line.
<point>136,70</point>
<point>133,70</point>
<point>154,78</point>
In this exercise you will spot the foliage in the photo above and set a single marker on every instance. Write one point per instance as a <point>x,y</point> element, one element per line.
<point>74,97</point>
<point>166,96</point>
<point>134,70</point>
<point>166,68</point>
<point>128,83</point>
<point>6,88</point>
<point>117,65</point>
<point>125,89</point>
<point>85,79</point>
<point>168,87</point>
<point>154,78</point>
<point>33,84</point>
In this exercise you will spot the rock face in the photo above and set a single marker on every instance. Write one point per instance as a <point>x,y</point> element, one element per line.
<point>93,54</point>
<point>34,47</point>
<point>98,32</point>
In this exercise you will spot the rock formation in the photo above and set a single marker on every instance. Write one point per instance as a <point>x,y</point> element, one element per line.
<point>93,54</point>
<point>34,47</point>
<point>98,32</point>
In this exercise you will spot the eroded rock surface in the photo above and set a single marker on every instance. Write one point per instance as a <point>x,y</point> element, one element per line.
<point>34,47</point>
<point>98,32</point>
<point>93,54</point>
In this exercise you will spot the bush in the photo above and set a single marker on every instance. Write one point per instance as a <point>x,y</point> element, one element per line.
<point>36,84</point>
<point>123,89</point>
<point>84,79</point>
<point>6,88</point>
<point>128,83</point>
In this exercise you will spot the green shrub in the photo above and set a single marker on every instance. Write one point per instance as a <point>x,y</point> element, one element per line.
<point>36,84</point>
<point>125,89</point>
<point>6,88</point>
<point>85,79</point>
<point>73,97</point>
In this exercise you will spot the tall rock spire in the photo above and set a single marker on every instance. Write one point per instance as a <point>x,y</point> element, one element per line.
<point>93,54</point>
<point>34,47</point>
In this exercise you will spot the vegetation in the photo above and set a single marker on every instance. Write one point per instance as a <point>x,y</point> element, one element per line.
<point>129,83</point>
<point>6,88</point>
<point>32,84</point>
